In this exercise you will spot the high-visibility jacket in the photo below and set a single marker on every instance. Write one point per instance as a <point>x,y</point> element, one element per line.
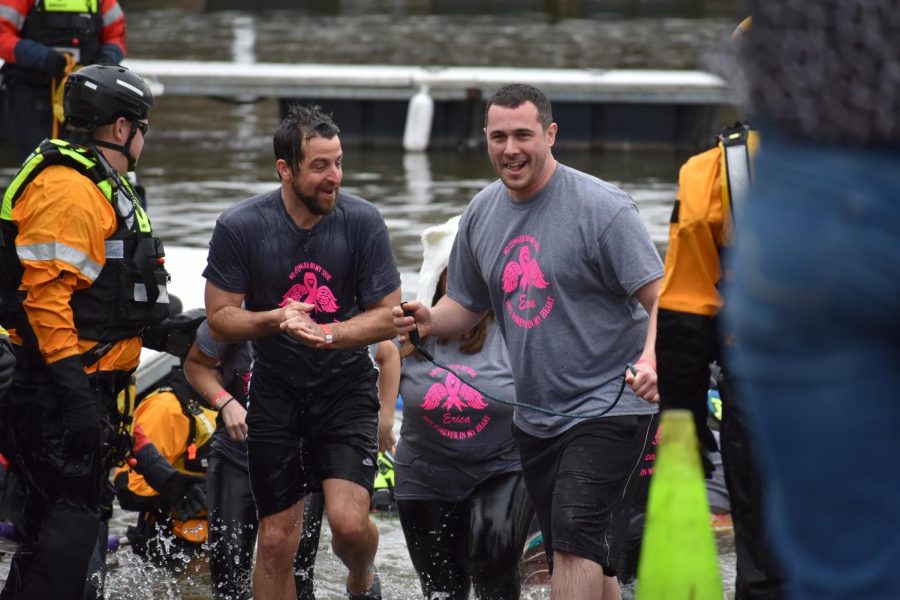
<point>80,270</point>
<point>90,30</point>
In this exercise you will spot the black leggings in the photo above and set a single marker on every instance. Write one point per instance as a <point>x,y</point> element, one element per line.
<point>759,575</point>
<point>479,543</point>
<point>232,533</point>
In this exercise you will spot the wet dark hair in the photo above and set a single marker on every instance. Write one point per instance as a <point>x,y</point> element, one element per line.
<point>516,94</point>
<point>302,123</point>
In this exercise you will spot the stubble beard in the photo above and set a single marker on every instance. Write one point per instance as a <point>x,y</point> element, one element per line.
<point>313,205</point>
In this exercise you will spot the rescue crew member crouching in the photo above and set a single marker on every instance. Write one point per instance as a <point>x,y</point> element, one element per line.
<point>169,493</point>
<point>81,276</point>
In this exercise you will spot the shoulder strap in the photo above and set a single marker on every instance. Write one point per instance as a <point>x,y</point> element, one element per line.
<point>736,171</point>
<point>55,152</point>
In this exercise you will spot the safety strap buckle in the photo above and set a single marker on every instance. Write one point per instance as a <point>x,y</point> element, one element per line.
<point>94,355</point>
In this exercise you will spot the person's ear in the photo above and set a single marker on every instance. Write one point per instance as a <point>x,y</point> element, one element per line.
<point>122,129</point>
<point>283,170</point>
<point>551,133</point>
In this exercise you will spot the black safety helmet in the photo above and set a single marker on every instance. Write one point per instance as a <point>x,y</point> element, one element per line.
<point>99,94</point>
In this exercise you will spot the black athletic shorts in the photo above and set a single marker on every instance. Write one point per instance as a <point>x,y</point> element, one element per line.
<point>582,483</point>
<point>299,437</point>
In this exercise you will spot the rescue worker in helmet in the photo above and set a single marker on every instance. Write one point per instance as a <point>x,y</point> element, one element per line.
<point>43,42</point>
<point>170,493</point>
<point>712,186</point>
<point>81,276</point>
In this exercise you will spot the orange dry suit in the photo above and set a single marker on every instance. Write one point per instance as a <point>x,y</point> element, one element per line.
<point>81,274</point>
<point>711,188</point>
<point>179,431</point>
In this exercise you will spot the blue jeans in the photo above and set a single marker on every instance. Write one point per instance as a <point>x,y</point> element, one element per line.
<point>815,309</point>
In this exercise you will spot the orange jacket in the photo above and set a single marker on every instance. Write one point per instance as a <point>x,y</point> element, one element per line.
<point>14,12</point>
<point>696,233</point>
<point>700,227</point>
<point>160,420</point>
<point>63,222</point>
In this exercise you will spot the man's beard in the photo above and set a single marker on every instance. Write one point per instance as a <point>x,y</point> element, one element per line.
<point>313,204</point>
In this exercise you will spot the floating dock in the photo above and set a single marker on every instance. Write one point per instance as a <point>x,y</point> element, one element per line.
<point>597,109</point>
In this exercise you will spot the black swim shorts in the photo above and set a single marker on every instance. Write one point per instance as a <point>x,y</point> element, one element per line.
<point>582,483</point>
<point>299,437</point>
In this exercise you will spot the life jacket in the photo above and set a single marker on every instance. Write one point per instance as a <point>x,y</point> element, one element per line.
<point>383,496</point>
<point>195,530</point>
<point>713,186</point>
<point>194,459</point>
<point>130,291</point>
<point>162,415</point>
<point>72,26</point>
<point>201,426</point>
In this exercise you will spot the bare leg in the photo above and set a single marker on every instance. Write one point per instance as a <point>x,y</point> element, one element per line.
<point>279,537</point>
<point>576,578</point>
<point>611,588</point>
<point>354,537</point>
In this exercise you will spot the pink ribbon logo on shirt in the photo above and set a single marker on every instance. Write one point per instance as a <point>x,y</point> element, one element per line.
<point>456,401</point>
<point>523,272</point>
<point>309,290</point>
<point>527,302</point>
<point>454,394</point>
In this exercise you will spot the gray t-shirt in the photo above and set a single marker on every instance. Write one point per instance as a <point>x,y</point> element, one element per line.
<point>560,270</point>
<point>453,437</point>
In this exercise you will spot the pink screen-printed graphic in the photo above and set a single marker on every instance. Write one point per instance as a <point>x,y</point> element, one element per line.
<point>528,301</point>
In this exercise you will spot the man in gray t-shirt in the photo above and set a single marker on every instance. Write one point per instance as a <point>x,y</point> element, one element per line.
<point>569,269</point>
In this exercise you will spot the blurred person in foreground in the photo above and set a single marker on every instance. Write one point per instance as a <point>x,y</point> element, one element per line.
<point>815,302</point>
